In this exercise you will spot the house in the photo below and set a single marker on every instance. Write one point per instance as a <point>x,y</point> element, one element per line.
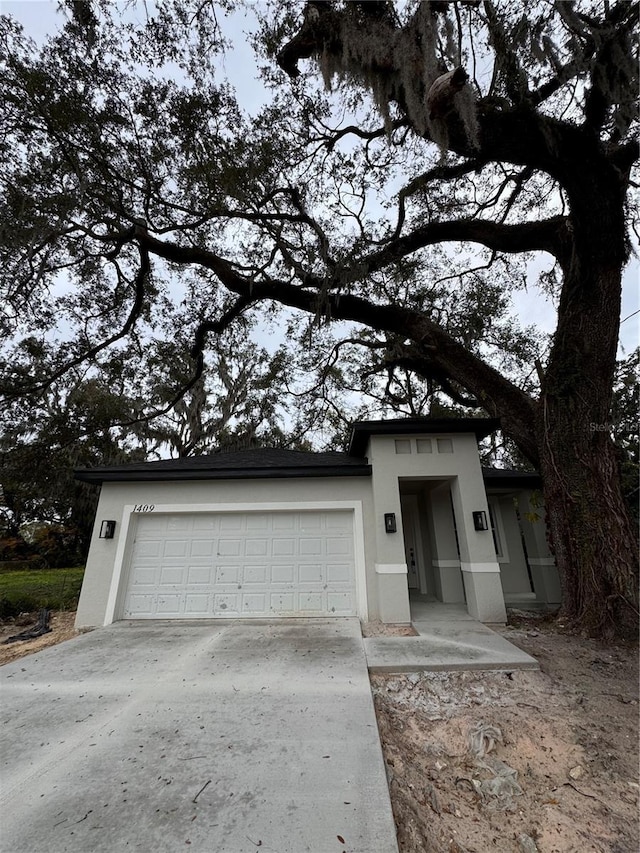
<point>406,511</point>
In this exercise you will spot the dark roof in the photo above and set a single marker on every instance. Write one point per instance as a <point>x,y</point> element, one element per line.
<point>362,430</point>
<point>260,463</point>
<point>501,477</point>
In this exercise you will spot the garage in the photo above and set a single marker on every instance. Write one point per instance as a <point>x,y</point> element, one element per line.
<point>240,564</point>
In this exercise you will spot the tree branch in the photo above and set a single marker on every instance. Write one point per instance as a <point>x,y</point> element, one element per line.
<point>550,235</point>
<point>496,394</point>
<point>93,351</point>
<point>441,173</point>
<point>218,326</point>
<point>353,130</point>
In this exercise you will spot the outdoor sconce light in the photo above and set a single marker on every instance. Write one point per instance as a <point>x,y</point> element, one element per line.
<point>480,520</point>
<point>390,522</point>
<point>107,529</point>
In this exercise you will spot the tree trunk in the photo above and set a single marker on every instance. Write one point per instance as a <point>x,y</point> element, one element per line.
<point>591,535</point>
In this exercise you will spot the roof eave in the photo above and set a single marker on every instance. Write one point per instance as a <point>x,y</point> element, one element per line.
<point>97,476</point>
<point>361,431</point>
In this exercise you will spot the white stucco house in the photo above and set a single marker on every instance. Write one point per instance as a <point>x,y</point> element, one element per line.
<point>407,511</point>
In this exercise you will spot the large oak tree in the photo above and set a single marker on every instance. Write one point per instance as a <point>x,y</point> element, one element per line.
<point>502,131</point>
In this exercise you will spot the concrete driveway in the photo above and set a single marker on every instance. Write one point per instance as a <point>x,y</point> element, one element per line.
<point>224,737</point>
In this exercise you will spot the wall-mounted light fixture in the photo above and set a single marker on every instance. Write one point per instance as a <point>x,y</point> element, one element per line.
<point>390,522</point>
<point>107,529</point>
<point>480,520</point>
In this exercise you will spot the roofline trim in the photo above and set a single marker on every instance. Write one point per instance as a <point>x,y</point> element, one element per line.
<point>361,431</point>
<point>97,477</point>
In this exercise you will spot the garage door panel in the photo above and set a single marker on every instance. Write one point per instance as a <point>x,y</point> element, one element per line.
<point>227,574</point>
<point>258,522</point>
<point>225,604</point>
<point>170,605</point>
<point>312,522</point>
<point>311,547</point>
<point>141,605</point>
<point>145,576</point>
<point>172,575</point>
<point>176,548</point>
<point>334,521</point>
<point>154,525</point>
<point>229,547</point>
<point>256,548</point>
<point>205,522</point>
<point>283,547</point>
<point>174,522</point>
<point>312,602</point>
<point>255,574</point>
<point>197,605</point>
<point>151,548</point>
<point>254,602</point>
<point>203,547</point>
<point>311,573</point>
<point>339,603</point>
<point>282,602</point>
<point>338,547</point>
<point>339,573</point>
<point>199,576</point>
<point>260,564</point>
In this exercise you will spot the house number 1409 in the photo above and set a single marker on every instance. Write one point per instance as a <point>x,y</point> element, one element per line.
<point>144,507</point>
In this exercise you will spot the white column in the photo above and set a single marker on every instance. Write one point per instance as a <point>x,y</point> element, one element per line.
<point>442,536</point>
<point>480,569</point>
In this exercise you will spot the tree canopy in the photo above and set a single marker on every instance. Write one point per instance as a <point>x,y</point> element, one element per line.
<point>409,162</point>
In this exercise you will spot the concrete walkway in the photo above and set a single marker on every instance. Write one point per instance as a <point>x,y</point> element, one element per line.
<point>219,737</point>
<point>448,639</point>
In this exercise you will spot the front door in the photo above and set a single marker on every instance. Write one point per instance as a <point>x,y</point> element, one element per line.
<point>412,540</point>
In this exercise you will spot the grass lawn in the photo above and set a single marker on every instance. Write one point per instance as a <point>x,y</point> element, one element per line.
<point>56,589</point>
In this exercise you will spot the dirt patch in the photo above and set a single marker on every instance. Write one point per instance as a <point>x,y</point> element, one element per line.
<point>558,765</point>
<point>384,629</point>
<point>62,628</point>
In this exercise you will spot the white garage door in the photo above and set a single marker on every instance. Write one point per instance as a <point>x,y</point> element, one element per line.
<point>205,565</point>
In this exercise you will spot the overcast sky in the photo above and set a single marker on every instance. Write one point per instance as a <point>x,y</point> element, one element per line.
<point>40,18</point>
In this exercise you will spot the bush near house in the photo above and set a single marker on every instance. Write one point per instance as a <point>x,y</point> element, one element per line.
<point>41,545</point>
<point>27,590</point>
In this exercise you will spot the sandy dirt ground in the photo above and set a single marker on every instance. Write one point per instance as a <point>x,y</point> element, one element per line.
<point>61,624</point>
<point>499,761</point>
<point>523,761</point>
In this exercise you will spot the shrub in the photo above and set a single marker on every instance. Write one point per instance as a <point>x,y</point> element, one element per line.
<point>10,608</point>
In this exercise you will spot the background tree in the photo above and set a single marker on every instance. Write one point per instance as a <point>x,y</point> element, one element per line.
<point>469,125</point>
<point>90,417</point>
<point>40,445</point>
<point>239,401</point>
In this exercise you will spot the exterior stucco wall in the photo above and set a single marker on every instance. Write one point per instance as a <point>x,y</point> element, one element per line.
<point>451,457</point>
<point>546,581</point>
<point>438,475</point>
<point>108,557</point>
<point>513,564</point>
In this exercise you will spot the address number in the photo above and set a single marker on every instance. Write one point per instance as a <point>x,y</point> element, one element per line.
<point>144,507</point>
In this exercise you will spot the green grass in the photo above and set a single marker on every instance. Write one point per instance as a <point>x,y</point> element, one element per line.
<point>55,589</point>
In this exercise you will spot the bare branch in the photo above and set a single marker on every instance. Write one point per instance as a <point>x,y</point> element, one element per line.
<point>92,352</point>
<point>442,173</point>
<point>451,358</point>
